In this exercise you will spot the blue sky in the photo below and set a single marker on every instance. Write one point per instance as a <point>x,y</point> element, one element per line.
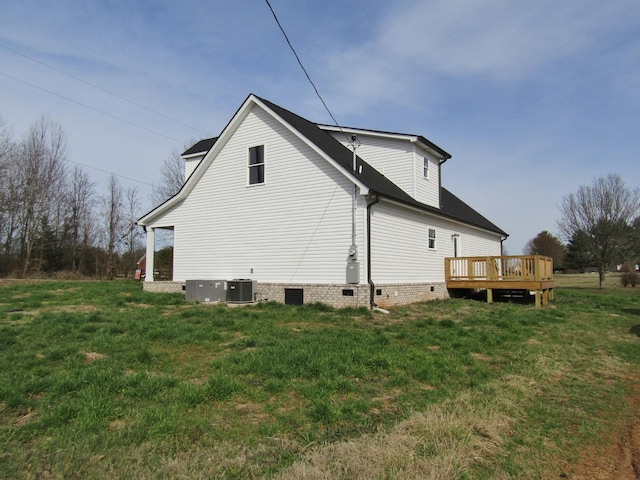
<point>532,99</point>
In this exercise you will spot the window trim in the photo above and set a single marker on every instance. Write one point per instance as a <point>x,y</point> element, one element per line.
<point>432,243</point>
<point>257,166</point>
<point>426,168</point>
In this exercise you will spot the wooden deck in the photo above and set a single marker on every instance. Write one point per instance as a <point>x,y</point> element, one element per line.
<point>514,273</point>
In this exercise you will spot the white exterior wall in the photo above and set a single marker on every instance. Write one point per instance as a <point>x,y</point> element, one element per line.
<point>393,158</point>
<point>294,228</point>
<point>401,162</point>
<point>190,165</point>
<point>427,190</point>
<point>399,245</point>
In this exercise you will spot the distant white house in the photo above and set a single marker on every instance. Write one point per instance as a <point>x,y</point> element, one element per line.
<point>287,203</point>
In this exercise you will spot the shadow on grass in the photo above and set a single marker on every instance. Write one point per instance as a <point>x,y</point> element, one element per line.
<point>522,297</point>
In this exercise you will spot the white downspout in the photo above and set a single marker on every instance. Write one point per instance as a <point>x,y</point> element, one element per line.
<point>353,250</point>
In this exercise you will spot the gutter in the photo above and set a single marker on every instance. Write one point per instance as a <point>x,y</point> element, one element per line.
<point>504,237</point>
<point>372,287</point>
<point>440,163</point>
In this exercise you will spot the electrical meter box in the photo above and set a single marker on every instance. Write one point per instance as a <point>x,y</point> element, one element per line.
<point>353,272</point>
<point>206,290</point>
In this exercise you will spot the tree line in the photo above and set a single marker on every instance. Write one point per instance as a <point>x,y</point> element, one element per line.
<point>51,217</point>
<point>601,225</point>
<point>53,220</point>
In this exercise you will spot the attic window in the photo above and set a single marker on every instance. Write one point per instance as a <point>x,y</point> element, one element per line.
<point>425,167</point>
<point>256,165</point>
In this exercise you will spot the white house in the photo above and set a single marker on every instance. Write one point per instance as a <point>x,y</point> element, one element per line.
<point>317,213</point>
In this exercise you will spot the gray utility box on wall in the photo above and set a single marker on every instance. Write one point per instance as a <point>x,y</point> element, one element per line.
<point>206,290</point>
<point>353,272</point>
<point>241,290</point>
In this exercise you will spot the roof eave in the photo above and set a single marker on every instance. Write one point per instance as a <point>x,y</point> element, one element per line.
<point>429,210</point>
<point>419,139</point>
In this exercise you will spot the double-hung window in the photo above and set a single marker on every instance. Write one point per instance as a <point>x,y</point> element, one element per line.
<point>256,165</point>
<point>432,239</point>
<point>425,167</point>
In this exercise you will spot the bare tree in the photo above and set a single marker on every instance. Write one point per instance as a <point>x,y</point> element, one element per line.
<point>114,223</point>
<point>79,223</point>
<point>132,233</point>
<point>604,211</point>
<point>40,179</point>
<point>171,178</point>
<point>7,195</point>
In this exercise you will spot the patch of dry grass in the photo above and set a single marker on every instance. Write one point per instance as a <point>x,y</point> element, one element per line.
<point>437,444</point>
<point>93,356</point>
<point>505,391</point>
<point>587,280</point>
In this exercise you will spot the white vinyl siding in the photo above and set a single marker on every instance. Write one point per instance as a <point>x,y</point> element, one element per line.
<point>190,165</point>
<point>295,228</point>
<point>401,162</point>
<point>427,187</point>
<point>391,157</point>
<point>399,250</point>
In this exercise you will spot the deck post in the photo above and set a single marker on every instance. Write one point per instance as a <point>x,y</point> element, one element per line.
<point>538,298</point>
<point>489,295</point>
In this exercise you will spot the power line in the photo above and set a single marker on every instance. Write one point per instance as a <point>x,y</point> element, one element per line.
<point>99,111</point>
<point>90,107</point>
<point>305,70</point>
<point>111,173</point>
<point>97,87</point>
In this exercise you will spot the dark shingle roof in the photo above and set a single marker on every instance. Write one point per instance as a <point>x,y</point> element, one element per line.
<point>455,208</point>
<point>451,206</point>
<point>203,146</point>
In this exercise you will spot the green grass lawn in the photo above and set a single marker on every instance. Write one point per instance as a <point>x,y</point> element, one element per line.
<point>102,380</point>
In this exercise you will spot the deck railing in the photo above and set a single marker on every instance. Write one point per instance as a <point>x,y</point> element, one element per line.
<point>525,272</point>
<point>508,268</point>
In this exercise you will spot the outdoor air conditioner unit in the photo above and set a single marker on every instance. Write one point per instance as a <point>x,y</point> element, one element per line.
<point>206,290</point>
<point>241,290</point>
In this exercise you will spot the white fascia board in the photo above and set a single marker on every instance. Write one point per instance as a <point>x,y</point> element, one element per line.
<point>193,155</point>
<point>431,150</point>
<point>203,165</point>
<point>240,115</point>
<point>388,135</point>
<point>371,133</point>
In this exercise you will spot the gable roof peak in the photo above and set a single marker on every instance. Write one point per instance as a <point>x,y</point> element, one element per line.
<point>325,143</point>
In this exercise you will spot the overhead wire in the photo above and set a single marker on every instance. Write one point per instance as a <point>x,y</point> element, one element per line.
<point>286,37</point>
<point>111,173</point>
<point>102,112</point>
<point>284,33</point>
<point>89,107</point>
<point>104,90</point>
